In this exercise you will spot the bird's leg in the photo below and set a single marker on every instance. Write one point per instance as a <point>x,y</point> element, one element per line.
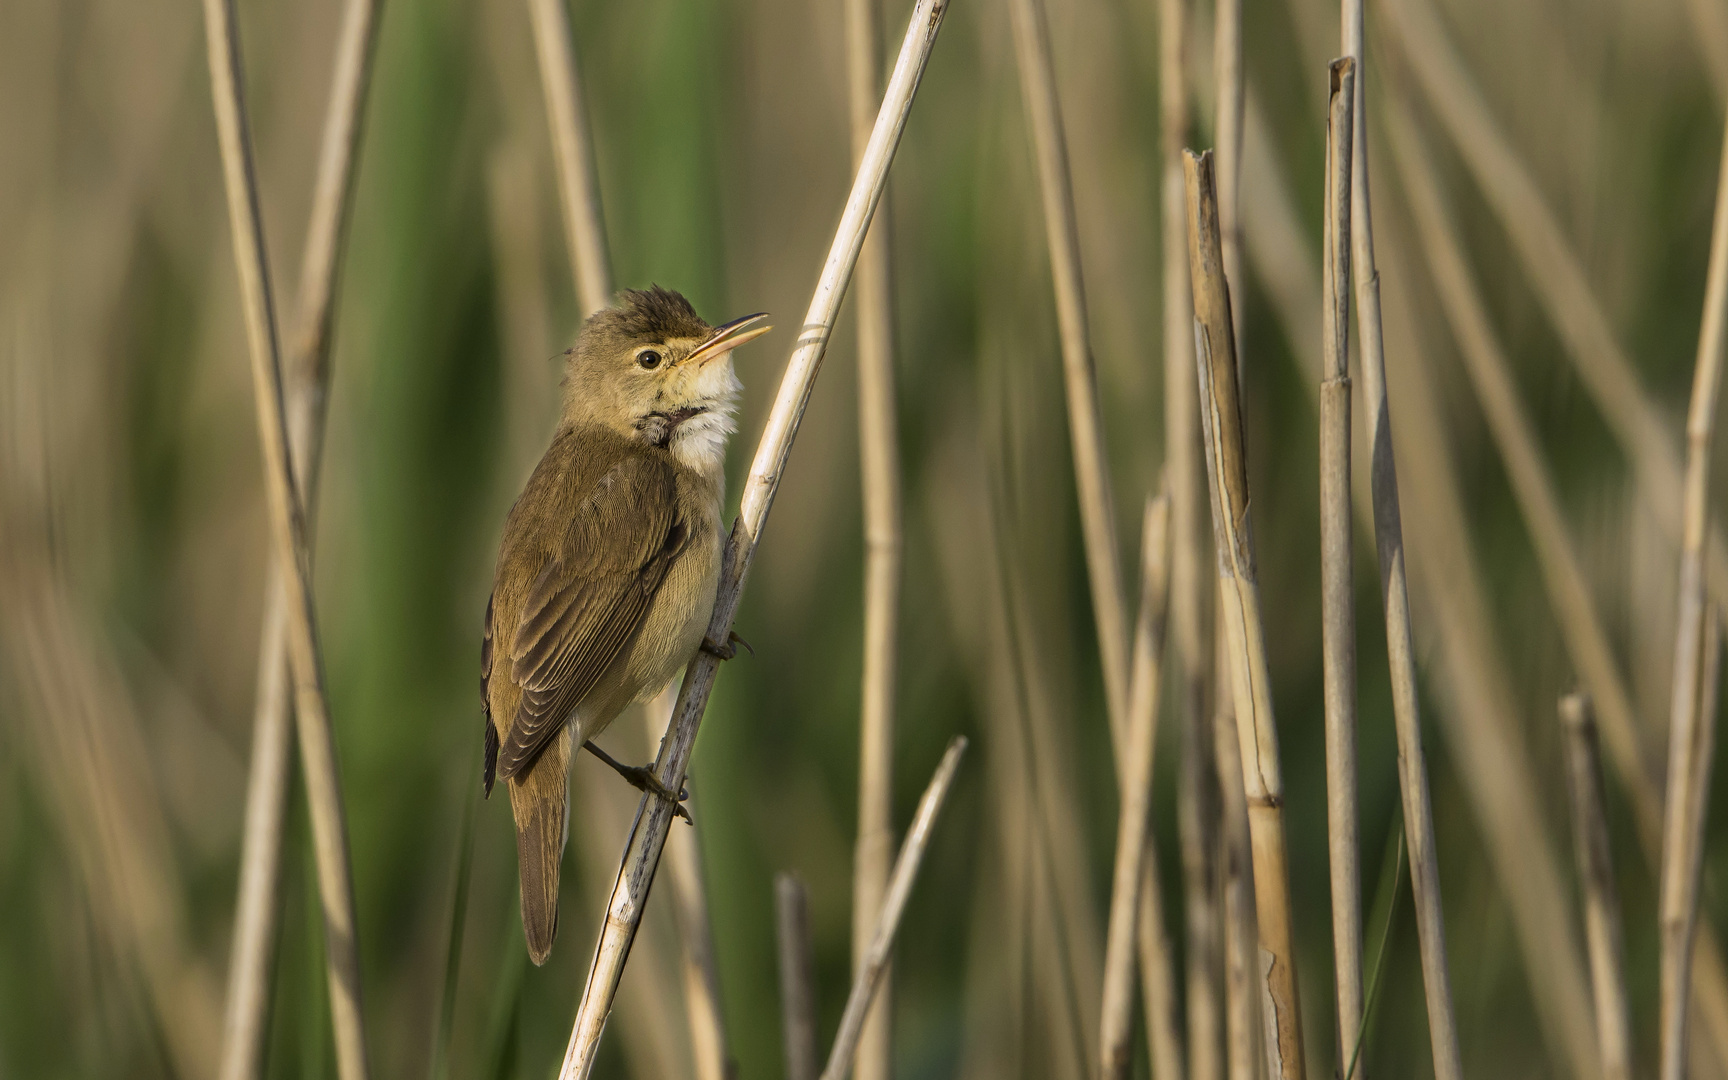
<point>642,778</point>
<point>728,650</point>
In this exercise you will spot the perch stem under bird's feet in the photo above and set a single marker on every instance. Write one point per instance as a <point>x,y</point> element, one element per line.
<point>642,778</point>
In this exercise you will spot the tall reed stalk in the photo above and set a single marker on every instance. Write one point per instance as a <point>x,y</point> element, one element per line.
<point>1337,565</point>
<point>1602,923</point>
<point>289,535</point>
<point>879,460</point>
<point>306,382</point>
<point>1394,589</point>
<point>1257,734</point>
<point>1692,722</point>
<point>648,836</point>
<point>573,150</point>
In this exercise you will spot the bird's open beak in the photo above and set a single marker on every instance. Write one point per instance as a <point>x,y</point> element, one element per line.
<point>728,337</point>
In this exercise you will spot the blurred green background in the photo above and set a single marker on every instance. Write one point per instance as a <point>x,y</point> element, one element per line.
<point>132,524</point>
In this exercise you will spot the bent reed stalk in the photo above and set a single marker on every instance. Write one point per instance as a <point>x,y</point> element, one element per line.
<point>648,835</point>
<point>288,532</point>
<point>1257,734</point>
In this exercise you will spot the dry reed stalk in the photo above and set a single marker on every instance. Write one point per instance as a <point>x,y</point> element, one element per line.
<point>1242,1004</point>
<point>306,381</point>
<point>1227,147</point>
<point>1602,924</point>
<point>1337,570</point>
<point>572,149</point>
<point>797,975</point>
<point>1564,290</point>
<point>906,864</point>
<point>648,836</point>
<point>1394,588</point>
<point>1692,730</point>
<point>1197,791</point>
<point>288,532</point>
<point>1079,375</point>
<point>879,461</point>
<point>710,1048</point>
<point>1227,482</point>
<point>1134,819</point>
<point>1477,710</point>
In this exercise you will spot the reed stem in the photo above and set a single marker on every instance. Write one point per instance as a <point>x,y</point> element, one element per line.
<point>797,976</point>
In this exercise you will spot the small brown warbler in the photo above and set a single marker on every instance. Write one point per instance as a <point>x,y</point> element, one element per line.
<point>609,562</point>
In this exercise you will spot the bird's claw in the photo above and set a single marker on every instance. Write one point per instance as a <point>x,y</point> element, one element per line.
<point>728,650</point>
<point>642,778</point>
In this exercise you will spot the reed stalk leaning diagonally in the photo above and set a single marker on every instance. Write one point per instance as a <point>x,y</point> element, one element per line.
<point>1602,925</point>
<point>306,385</point>
<point>1692,722</point>
<point>1337,572</point>
<point>879,461</point>
<point>288,531</point>
<point>648,836</point>
<point>1227,483</point>
<point>1394,588</point>
<point>1092,477</point>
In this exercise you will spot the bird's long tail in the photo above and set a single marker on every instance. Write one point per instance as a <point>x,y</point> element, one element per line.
<point>540,798</point>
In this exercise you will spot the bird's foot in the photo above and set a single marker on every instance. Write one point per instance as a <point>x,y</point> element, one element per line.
<point>642,778</point>
<point>728,650</point>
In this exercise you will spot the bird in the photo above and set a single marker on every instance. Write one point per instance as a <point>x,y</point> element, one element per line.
<point>608,564</point>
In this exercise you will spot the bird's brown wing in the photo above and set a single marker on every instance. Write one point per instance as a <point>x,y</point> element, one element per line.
<point>590,597</point>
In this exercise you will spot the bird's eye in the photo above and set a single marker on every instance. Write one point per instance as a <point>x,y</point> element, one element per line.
<point>649,359</point>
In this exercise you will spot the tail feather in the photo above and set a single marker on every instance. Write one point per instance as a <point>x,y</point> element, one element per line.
<point>540,799</point>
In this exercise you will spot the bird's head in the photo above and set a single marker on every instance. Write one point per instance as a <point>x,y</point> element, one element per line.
<point>650,368</point>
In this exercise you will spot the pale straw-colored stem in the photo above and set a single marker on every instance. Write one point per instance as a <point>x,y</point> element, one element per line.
<point>288,532</point>
<point>306,380</point>
<point>1692,729</point>
<point>1227,482</point>
<point>1394,589</point>
<point>906,864</point>
<point>1134,817</point>
<point>1241,935</point>
<point>1191,585</point>
<point>648,836</point>
<point>1602,925</point>
<point>797,976</point>
<point>1337,564</point>
<point>572,149</point>
<point>1227,148</point>
<point>1079,375</point>
<point>879,462</point>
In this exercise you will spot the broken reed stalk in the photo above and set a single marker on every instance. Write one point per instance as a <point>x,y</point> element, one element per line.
<point>288,532</point>
<point>648,835</point>
<point>1198,809</point>
<point>1227,147</point>
<point>869,976</point>
<point>1079,374</point>
<point>1563,288</point>
<point>1257,735</point>
<point>1134,817</point>
<point>572,149</point>
<point>306,385</point>
<point>879,462</point>
<point>1337,565</point>
<point>1692,730</point>
<point>797,975</point>
<point>1394,589</point>
<point>1602,925</point>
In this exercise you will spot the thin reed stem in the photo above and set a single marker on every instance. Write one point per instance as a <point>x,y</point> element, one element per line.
<point>1394,589</point>
<point>288,531</point>
<point>648,836</point>
<point>1227,482</point>
<point>1134,819</point>
<point>1227,148</point>
<point>1242,1026</point>
<point>1692,723</point>
<point>573,150</point>
<point>306,381</point>
<point>1337,565</point>
<point>1602,923</point>
<point>906,865</point>
<point>879,462</point>
<point>1079,374</point>
<point>797,975</point>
